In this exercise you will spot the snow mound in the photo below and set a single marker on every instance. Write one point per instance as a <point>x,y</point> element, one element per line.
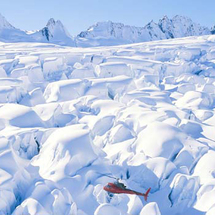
<point>19,116</point>
<point>151,208</point>
<point>68,149</point>
<point>166,143</point>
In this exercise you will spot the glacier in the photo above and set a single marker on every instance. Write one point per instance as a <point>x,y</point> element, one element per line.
<point>73,119</point>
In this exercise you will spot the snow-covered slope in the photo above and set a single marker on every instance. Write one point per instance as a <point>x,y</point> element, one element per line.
<point>74,119</point>
<point>9,33</point>
<point>4,24</point>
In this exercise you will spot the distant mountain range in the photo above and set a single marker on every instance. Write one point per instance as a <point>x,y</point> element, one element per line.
<point>105,33</point>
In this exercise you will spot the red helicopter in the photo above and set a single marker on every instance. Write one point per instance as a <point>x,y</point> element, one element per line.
<point>120,188</point>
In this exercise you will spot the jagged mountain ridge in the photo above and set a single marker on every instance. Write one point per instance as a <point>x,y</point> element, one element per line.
<point>166,28</point>
<point>180,26</point>
<point>105,33</point>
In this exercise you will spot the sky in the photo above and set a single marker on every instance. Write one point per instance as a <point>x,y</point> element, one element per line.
<point>78,15</point>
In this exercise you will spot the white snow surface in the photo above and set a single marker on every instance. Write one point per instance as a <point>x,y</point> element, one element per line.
<point>74,119</point>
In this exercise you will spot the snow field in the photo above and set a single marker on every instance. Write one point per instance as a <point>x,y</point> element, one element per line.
<point>73,119</point>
